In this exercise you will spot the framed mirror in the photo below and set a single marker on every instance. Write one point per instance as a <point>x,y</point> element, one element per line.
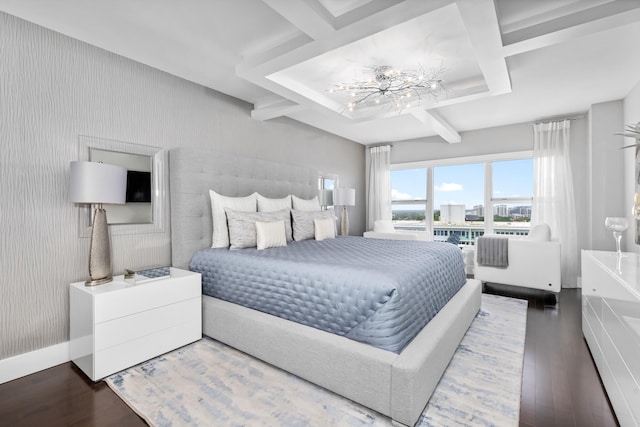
<point>146,206</point>
<point>138,208</point>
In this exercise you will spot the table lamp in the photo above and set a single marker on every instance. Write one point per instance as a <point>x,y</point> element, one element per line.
<point>344,197</point>
<point>98,184</point>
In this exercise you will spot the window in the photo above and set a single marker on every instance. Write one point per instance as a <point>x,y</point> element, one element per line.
<point>489,194</point>
<point>409,198</point>
<point>512,192</point>
<point>458,194</point>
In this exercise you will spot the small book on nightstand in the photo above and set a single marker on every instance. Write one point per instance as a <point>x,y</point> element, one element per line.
<point>141,276</point>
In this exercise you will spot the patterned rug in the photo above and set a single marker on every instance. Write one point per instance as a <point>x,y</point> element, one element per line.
<point>209,384</point>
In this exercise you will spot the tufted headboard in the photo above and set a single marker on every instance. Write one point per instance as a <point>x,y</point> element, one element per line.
<point>194,171</point>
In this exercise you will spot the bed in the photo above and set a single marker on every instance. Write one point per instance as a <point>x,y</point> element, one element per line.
<point>394,381</point>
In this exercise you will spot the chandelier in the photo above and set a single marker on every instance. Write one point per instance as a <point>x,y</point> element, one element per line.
<point>393,88</point>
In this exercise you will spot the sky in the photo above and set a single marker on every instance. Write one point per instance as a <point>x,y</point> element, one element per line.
<point>463,184</point>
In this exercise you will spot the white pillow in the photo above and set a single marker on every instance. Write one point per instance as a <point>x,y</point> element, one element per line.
<point>306,205</point>
<point>242,226</point>
<point>270,234</point>
<point>383,226</point>
<point>220,237</point>
<point>266,204</point>
<point>303,226</point>
<point>324,228</point>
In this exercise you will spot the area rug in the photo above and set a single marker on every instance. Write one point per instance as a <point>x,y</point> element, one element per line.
<point>210,384</point>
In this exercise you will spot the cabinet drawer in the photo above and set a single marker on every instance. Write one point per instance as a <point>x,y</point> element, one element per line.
<point>619,384</point>
<point>592,342</point>
<point>117,358</point>
<point>135,326</point>
<point>145,296</point>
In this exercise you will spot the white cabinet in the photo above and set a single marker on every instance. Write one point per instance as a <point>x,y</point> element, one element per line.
<point>611,327</point>
<point>119,324</point>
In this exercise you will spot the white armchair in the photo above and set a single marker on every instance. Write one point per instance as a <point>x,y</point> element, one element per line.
<point>383,229</point>
<point>534,262</point>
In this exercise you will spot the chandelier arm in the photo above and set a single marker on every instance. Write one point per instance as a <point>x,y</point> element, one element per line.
<point>402,88</point>
<point>364,98</point>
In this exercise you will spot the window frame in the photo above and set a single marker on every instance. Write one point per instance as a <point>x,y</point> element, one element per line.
<point>489,200</point>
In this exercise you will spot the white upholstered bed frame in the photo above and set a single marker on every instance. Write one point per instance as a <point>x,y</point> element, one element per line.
<point>396,385</point>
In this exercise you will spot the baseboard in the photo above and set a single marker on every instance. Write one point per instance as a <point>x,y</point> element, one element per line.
<point>24,364</point>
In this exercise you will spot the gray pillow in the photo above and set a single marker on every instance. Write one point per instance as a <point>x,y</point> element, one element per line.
<point>242,226</point>
<point>303,227</point>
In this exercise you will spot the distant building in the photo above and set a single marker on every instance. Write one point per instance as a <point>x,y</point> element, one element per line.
<point>521,211</point>
<point>479,210</point>
<point>501,210</point>
<point>452,214</point>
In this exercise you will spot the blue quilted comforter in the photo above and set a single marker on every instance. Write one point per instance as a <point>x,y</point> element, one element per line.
<point>380,292</point>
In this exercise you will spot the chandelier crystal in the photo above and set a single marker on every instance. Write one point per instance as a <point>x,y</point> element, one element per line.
<point>392,88</point>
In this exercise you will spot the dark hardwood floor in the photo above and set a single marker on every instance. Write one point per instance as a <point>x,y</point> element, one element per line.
<point>560,384</point>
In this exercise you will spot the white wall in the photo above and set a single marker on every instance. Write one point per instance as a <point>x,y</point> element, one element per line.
<point>605,172</point>
<point>53,89</point>
<point>631,113</point>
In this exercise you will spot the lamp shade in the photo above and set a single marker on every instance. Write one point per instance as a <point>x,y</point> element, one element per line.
<point>344,197</point>
<point>97,183</point>
<point>326,197</point>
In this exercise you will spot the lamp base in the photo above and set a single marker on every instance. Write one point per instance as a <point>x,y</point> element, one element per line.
<point>100,271</point>
<point>96,282</point>
<point>344,222</point>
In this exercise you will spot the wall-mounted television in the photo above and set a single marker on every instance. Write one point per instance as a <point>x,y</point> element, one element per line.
<point>138,187</point>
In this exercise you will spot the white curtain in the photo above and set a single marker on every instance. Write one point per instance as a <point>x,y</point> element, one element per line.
<point>553,200</point>
<point>379,197</point>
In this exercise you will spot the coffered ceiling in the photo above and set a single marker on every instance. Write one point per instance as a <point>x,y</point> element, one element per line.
<point>503,61</point>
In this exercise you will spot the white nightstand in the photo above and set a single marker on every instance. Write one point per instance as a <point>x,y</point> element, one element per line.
<point>118,324</point>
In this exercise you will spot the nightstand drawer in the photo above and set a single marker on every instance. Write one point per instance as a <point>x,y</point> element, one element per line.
<point>115,359</point>
<point>145,296</point>
<point>132,327</point>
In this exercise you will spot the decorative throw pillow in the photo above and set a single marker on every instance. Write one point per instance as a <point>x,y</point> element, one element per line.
<point>242,226</point>
<point>303,227</point>
<point>270,235</point>
<point>266,204</point>
<point>305,204</point>
<point>324,228</point>
<point>220,237</point>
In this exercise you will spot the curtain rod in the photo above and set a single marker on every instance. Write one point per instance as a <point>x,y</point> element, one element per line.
<point>559,119</point>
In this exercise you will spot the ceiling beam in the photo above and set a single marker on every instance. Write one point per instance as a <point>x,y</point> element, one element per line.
<point>255,68</point>
<point>276,109</point>
<point>439,124</point>
<point>567,28</point>
<point>547,15</point>
<point>481,20</point>
<point>308,16</point>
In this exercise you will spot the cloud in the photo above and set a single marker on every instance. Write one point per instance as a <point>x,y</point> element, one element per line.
<point>396,195</point>
<point>448,186</point>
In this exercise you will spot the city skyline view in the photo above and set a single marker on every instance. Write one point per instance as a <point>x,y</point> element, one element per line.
<point>463,184</point>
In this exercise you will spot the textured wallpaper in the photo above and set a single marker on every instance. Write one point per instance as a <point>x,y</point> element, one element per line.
<point>54,89</point>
